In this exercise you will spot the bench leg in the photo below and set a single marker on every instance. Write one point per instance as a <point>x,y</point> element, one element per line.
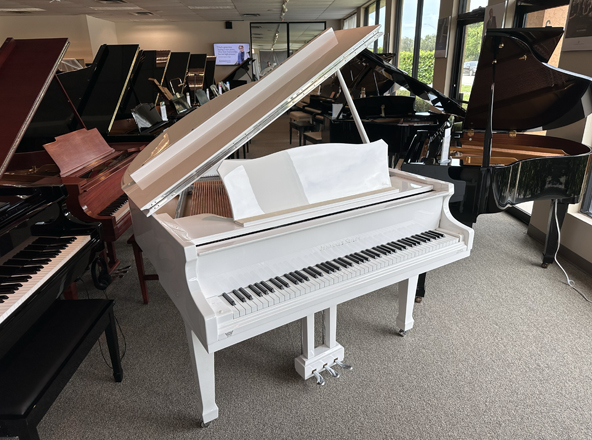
<point>111,335</point>
<point>203,366</point>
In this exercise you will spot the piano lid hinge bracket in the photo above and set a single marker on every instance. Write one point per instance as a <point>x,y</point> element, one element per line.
<point>512,133</point>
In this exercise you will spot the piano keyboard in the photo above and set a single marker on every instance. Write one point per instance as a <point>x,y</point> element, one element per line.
<point>30,265</point>
<point>118,208</point>
<point>366,256</point>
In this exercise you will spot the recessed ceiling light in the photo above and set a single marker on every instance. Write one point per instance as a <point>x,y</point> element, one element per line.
<point>142,13</point>
<point>251,15</point>
<point>115,8</point>
<point>211,7</point>
<point>22,10</point>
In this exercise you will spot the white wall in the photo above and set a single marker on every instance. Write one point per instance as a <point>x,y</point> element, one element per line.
<point>100,32</point>
<point>75,28</point>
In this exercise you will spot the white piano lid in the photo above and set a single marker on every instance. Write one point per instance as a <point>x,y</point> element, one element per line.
<point>209,134</point>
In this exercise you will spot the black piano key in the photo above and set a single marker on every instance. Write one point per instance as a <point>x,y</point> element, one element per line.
<point>36,254</point>
<point>17,279</point>
<point>318,272</point>
<point>381,250</point>
<point>371,255</point>
<point>396,245</point>
<point>54,240</point>
<point>3,296</point>
<point>301,275</point>
<point>436,233</point>
<point>267,286</point>
<point>14,270</point>
<point>324,269</point>
<point>298,277</point>
<point>291,278</point>
<point>361,256</point>
<point>326,266</point>
<point>420,238</point>
<point>229,299</point>
<point>372,251</point>
<point>239,295</point>
<point>46,247</point>
<point>332,265</point>
<point>392,248</point>
<point>114,205</point>
<point>413,240</point>
<point>282,281</point>
<point>341,263</point>
<point>8,290</point>
<point>426,237</point>
<point>255,290</point>
<point>346,262</point>
<point>1,301</point>
<point>430,236</point>
<point>406,242</point>
<point>310,272</point>
<point>276,283</point>
<point>27,262</point>
<point>244,292</point>
<point>354,259</point>
<point>262,288</point>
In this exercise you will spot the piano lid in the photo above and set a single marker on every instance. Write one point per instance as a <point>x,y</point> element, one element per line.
<point>209,134</point>
<point>529,93</point>
<point>372,72</point>
<point>40,59</point>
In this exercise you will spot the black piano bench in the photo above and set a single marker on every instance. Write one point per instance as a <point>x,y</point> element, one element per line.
<point>40,364</point>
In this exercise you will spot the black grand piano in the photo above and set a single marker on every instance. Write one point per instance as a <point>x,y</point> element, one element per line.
<point>496,165</point>
<point>43,248</point>
<point>384,115</point>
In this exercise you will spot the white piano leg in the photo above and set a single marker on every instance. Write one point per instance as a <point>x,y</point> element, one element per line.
<point>203,366</point>
<point>316,359</point>
<point>406,301</point>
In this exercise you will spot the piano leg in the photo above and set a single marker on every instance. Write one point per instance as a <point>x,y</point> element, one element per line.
<point>203,366</point>
<point>111,257</point>
<point>407,290</point>
<point>420,291</point>
<point>556,216</point>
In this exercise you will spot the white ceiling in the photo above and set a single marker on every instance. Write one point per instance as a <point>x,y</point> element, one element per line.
<point>181,10</point>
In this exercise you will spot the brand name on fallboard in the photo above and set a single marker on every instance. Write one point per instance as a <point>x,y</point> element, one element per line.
<point>338,243</point>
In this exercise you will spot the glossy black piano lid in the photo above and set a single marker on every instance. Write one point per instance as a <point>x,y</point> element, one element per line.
<point>529,94</point>
<point>372,70</point>
<point>177,68</point>
<point>97,90</point>
<point>142,90</point>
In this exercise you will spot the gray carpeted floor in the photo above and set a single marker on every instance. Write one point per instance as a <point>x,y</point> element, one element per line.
<point>501,350</point>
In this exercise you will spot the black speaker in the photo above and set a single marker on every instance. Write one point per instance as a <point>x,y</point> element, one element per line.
<point>229,25</point>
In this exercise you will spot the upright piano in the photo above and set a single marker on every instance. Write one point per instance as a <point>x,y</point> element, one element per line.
<point>496,164</point>
<point>43,248</point>
<point>54,146</point>
<point>286,236</point>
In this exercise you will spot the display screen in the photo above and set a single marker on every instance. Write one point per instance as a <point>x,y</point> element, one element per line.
<point>231,54</point>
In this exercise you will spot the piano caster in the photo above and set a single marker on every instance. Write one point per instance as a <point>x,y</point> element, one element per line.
<point>402,333</point>
<point>320,380</point>
<point>343,365</point>
<point>545,265</point>
<point>332,372</point>
<point>202,424</point>
<point>418,299</point>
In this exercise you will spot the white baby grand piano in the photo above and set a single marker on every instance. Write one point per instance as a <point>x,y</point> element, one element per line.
<point>310,229</point>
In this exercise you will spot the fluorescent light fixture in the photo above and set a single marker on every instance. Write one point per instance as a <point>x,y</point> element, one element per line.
<point>212,7</point>
<point>22,10</point>
<point>115,8</point>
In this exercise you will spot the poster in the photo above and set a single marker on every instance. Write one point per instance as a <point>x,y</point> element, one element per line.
<point>578,32</point>
<point>442,37</point>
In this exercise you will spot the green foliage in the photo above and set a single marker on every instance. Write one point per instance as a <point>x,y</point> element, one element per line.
<point>428,42</point>
<point>426,65</point>
<point>406,44</point>
<point>473,41</point>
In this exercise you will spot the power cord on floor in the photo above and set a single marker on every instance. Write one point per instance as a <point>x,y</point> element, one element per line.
<point>116,322</point>
<point>571,283</point>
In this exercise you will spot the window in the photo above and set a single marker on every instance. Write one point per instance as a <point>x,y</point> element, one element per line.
<point>350,22</point>
<point>418,22</point>
<point>374,14</point>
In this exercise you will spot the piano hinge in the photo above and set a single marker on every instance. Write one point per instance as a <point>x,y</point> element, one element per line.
<point>470,132</point>
<point>512,133</point>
